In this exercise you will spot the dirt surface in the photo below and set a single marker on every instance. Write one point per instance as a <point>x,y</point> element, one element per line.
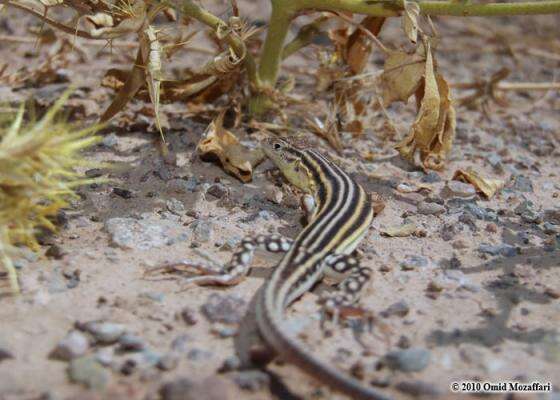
<point>473,296</point>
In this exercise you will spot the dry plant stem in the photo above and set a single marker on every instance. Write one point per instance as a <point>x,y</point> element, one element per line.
<point>283,11</point>
<point>200,14</point>
<point>510,86</point>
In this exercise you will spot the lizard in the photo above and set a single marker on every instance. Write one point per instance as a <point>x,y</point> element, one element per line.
<point>339,213</point>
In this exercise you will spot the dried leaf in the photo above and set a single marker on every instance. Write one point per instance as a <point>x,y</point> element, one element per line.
<point>358,45</point>
<point>423,129</point>
<point>410,20</point>
<point>400,230</point>
<point>103,24</point>
<point>235,158</point>
<point>136,79</point>
<point>487,186</point>
<point>402,75</point>
<point>433,131</point>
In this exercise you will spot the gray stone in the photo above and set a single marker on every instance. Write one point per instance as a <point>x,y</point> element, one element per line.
<point>5,354</point>
<point>461,189</point>
<point>217,190</point>
<point>231,243</point>
<point>179,389</point>
<point>144,234</point>
<point>105,355</point>
<point>199,355</point>
<point>480,213</point>
<point>430,208</point>
<point>129,342</point>
<point>408,360</point>
<point>418,389</point>
<point>503,249</point>
<point>431,177</point>
<point>110,140</point>
<point>183,186</point>
<point>153,296</point>
<point>522,184</point>
<point>231,363</point>
<point>74,345</point>
<point>413,262</point>
<point>224,308</point>
<point>105,332</point>
<point>550,229</point>
<point>87,371</point>
<point>180,343</point>
<point>175,206</point>
<point>552,216</point>
<point>251,380</point>
<point>168,362</point>
<point>399,309</point>
<point>202,230</point>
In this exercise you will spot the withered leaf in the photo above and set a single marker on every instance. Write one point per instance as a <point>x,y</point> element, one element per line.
<point>236,159</point>
<point>134,82</point>
<point>410,20</point>
<point>402,75</point>
<point>487,186</point>
<point>358,46</point>
<point>433,130</point>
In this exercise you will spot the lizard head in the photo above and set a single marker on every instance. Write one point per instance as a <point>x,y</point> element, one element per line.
<point>289,161</point>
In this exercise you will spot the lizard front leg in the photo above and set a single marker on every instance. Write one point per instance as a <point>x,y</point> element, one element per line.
<point>235,271</point>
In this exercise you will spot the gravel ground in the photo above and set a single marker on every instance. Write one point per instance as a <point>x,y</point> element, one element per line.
<point>471,294</point>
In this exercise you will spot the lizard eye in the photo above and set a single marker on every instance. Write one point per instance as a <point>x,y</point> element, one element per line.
<point>276,146</point>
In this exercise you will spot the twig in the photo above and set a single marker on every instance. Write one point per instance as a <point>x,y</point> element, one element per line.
<point>508,86</point>
<point>359,26</point>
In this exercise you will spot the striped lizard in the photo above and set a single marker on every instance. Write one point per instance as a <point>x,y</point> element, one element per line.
<point>339,213</point>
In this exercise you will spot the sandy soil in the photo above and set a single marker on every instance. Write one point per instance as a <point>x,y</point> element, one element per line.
<point>475,295</point>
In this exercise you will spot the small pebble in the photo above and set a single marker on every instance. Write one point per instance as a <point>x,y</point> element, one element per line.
<point>408,360</point>
<point>431,177</point>
<point>189,316</point>
<point>182,186</point>
<point>399,309</point>
<point>124,193</point>
<point>74,345</point>
<point>505,250</point>
<point>88,371</point>
<point>5,354</point>
<point>217,190</point>
<point>202,230</point>
<point>274,194</point>
<point>461,189</point>
<point>251,380</point>
<point>522,184</point>
<point>231,363</point>
<point>168,362</point>
<point>105,332</point>
<point>175,206</point>
<point>105,355</point>
<point>418,389</point>
<point>180,343</point>
<point>413,262</point>
<point>129,342</point>
<point>224,308</point>
<point>430,208</point>
<point>110,140</point>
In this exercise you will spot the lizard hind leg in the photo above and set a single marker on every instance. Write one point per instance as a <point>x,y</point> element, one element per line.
<point>211,273</point>
<point>352,279</point>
